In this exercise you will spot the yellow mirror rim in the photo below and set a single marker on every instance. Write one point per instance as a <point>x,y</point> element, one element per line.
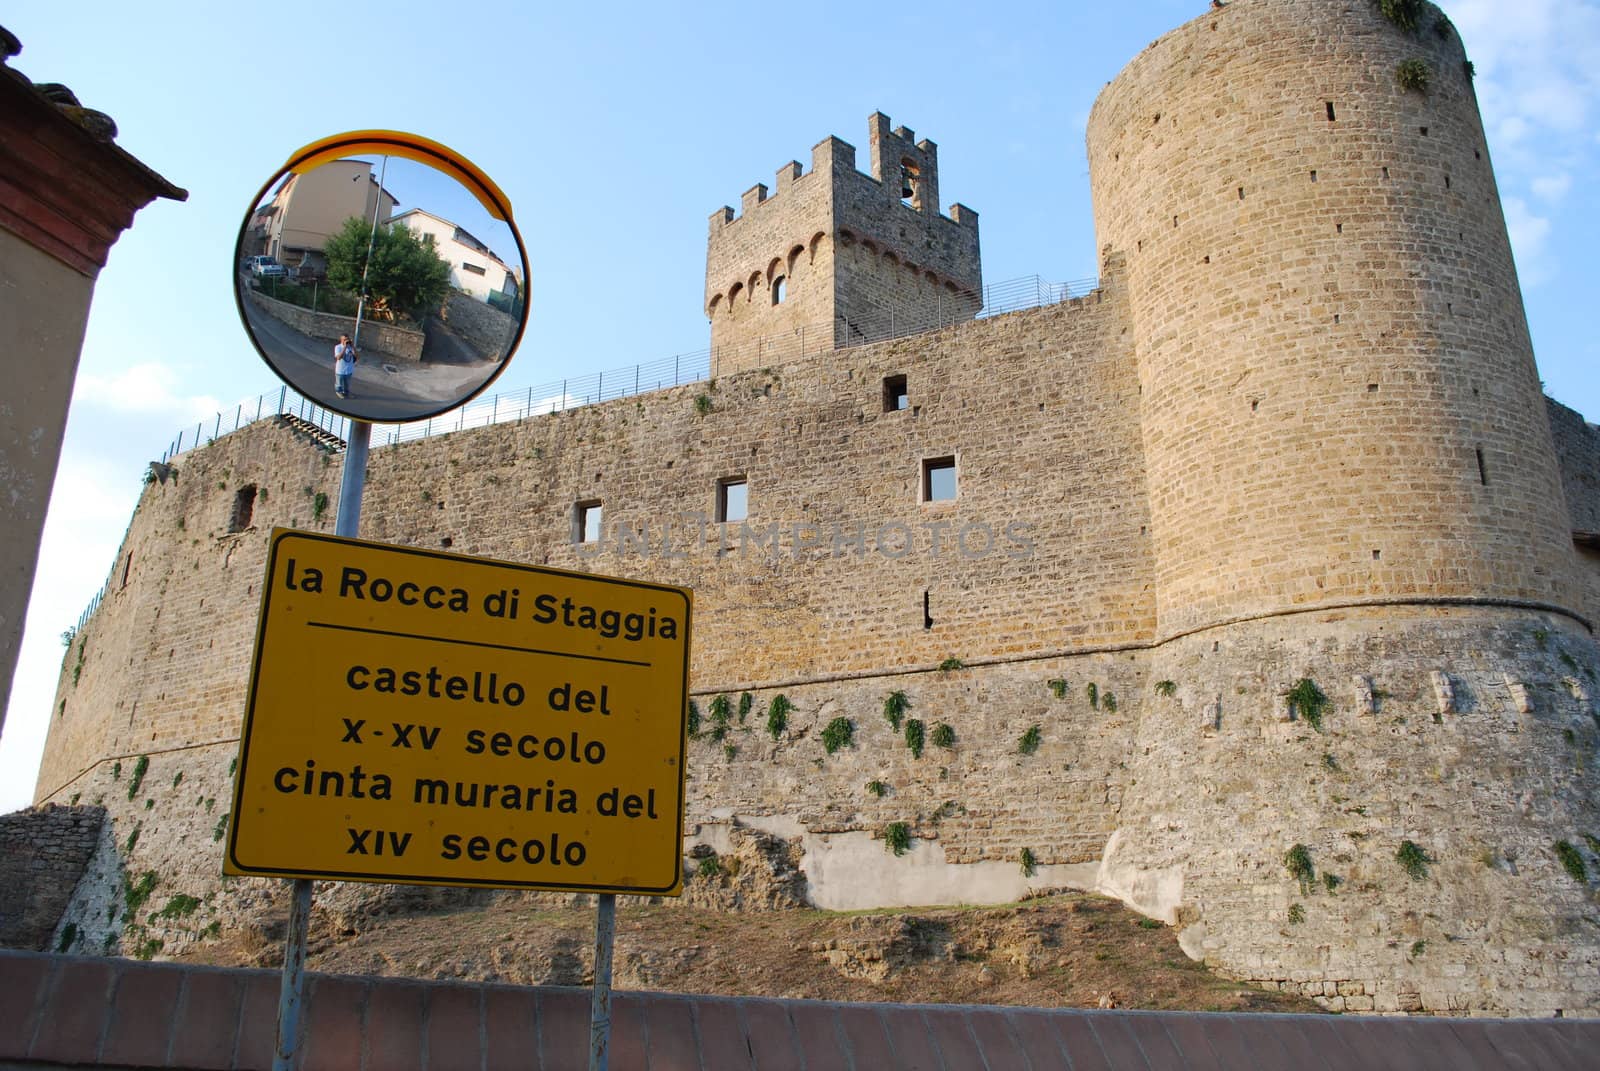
<point>412,147</point>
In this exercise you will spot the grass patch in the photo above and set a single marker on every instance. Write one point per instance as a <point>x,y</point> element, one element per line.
<point>1166,689</point>
<point>897,837</point>
<point>877,788</point>
<point>1297,860</point>
<point>916,737</point>
<point>943,736</point>
<point>1058,688</point>
<point>1572,861</point>
<point>136,893</point>
<point>950,665</point>
<point>178,907</point>
<point>1406,14</point>
<point>1307,701</point>
<point>1413,859</point>
<point>838,733</point>
<point>1414,75</point>
<point>778,715</point>
<point>1092,690</point>
<point>895,705</point>
<point>1028,742</point>
<point>1030,865</point>
<point>139,770</point>
<point>1297,914</point>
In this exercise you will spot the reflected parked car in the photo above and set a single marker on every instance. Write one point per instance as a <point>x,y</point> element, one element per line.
<point>262,267</point>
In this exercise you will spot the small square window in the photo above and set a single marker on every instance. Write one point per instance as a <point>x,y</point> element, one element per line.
<point>733,499</point>
<point>894,394</point>
<point>939,479</point>
<point>586,522</point>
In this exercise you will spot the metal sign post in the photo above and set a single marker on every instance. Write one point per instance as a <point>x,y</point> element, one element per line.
<point>291,990</point>
<point>605,931</point>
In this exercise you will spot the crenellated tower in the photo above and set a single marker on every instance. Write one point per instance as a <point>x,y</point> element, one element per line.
<point>834,257</point>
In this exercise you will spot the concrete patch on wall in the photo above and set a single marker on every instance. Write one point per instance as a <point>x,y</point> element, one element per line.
<point>1153,891</point>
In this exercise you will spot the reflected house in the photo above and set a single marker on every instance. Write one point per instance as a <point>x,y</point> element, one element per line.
<point>474,267</point>
<point>309,208</point>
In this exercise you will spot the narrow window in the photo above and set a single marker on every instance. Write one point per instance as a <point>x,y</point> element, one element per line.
<point>1330,111</point>
<point>1483,473</point>
<point>244,508</point>
<point>938,479</point>
<point>780,287</point>
<point>733,499</point>
<point>894,394</point>
<point>586,522</point>
<point>127,567</point>
<point>927,610</point>
<point>474,269</point>
<point>1313,176</point>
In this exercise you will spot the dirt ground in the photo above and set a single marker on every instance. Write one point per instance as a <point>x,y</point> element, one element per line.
<point>1066,950</point>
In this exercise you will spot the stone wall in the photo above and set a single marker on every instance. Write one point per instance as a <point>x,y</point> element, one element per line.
<point>389,340</point>
<point>1470,732</point>
<point>1577,444</point>
<point>1370,357</point>
<point>1263,459</point>
<point>905,260</point>
<point>486,328</point>
<point>43,852</point>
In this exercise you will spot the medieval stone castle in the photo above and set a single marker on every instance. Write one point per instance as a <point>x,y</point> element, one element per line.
<point>1256,588</point>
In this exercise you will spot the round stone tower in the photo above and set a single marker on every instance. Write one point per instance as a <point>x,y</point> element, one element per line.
<point>1364,759</point>
<point>1338,393</point>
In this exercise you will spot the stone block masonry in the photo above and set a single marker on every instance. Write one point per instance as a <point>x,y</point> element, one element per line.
<point>1264,599</point>
<point>43,853</point>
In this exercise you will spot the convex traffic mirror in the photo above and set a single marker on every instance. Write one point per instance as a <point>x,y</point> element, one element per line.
<point>380,275</point>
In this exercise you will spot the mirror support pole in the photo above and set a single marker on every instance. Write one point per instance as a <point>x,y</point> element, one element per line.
<point>292,987</point>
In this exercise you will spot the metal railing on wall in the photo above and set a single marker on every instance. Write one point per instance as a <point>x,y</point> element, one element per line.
<point>854,326</point>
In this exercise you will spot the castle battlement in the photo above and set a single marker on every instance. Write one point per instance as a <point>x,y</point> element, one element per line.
<point>834,245</point>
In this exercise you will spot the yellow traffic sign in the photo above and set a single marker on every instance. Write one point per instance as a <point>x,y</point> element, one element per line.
<point>437,719</point>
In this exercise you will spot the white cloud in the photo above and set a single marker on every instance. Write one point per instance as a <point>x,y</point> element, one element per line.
<point>1538,85</point>
<point>1552,187</point>
<point>145,388</point>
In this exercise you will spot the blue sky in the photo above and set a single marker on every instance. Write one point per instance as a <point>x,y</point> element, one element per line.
<point>616,130</point>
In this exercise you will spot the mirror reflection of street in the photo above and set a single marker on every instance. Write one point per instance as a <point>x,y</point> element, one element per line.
<point>396,254</point>
<point>383,389</point>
